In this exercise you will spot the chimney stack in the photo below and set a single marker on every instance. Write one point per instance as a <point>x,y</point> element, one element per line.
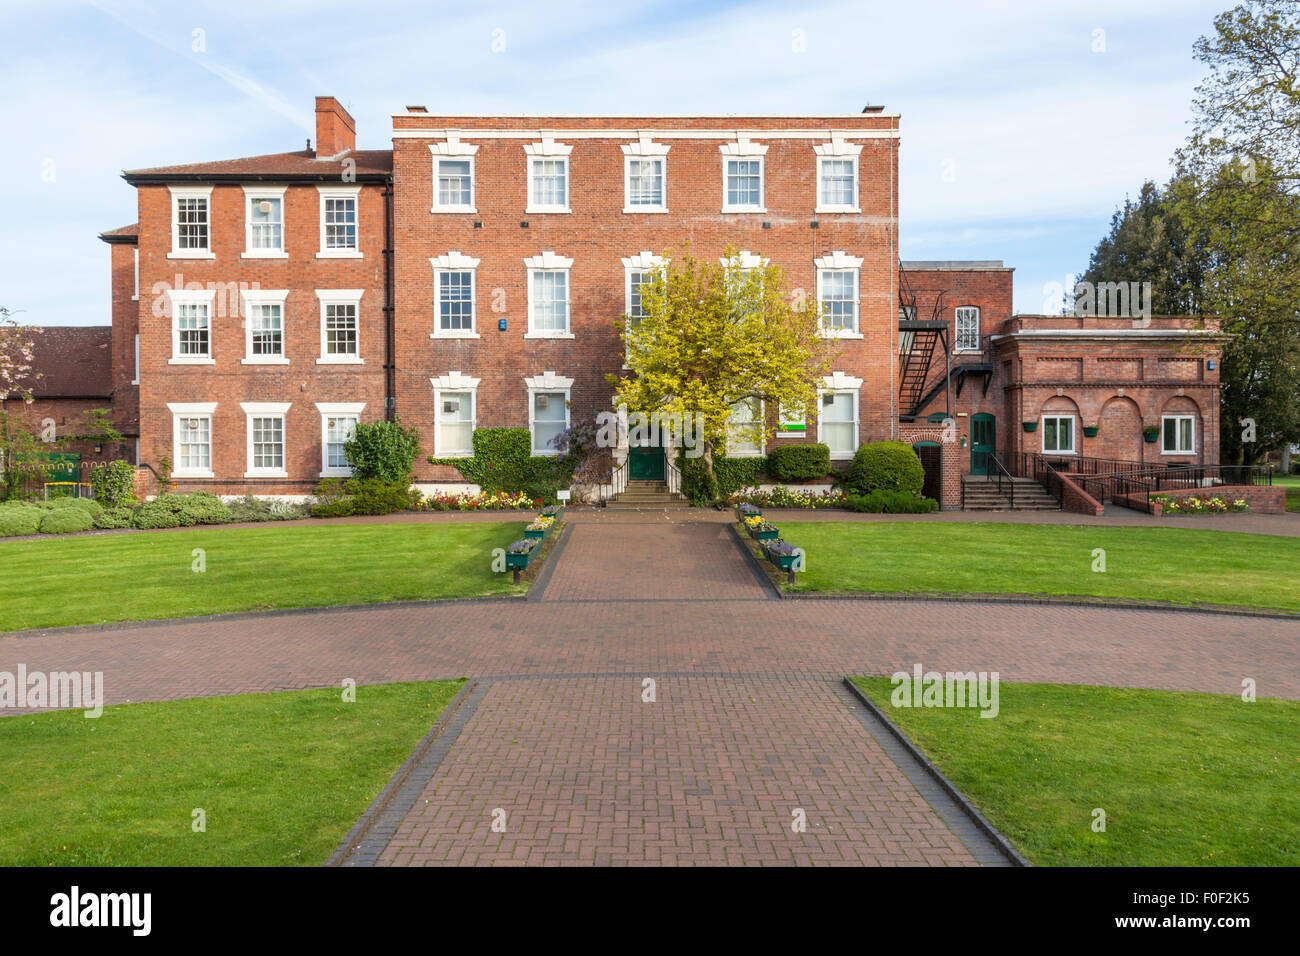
<point>336,131</point>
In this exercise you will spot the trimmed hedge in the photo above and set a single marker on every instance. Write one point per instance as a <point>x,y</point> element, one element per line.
<point>885,466</point>
<point>730,475</point>
<point>88,505</point>
<point>503,461</point>
<point>66,521</point>
<point>881,501</point>
<point>799,462</point>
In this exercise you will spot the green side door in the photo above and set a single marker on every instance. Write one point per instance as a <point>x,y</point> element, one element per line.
<point>983,439</point>
<point>645,464</point>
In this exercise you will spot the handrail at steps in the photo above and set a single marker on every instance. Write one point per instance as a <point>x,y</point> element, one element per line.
<point>673,475</point>
<point>1002,470</point>
<point>618,481</point>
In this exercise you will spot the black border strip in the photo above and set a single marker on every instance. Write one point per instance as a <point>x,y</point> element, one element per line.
<point>1004,846</point>
<point>769,586</point>
<point>371,834</point>
<point>537,589</point>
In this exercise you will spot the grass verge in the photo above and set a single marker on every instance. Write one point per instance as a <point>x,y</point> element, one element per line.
<point>52,582</point>
<point>1172,565</point>
<point>1185,779</point>
<point>280,777</point>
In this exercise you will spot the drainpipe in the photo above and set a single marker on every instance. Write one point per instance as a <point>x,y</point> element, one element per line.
<point>390,385</point>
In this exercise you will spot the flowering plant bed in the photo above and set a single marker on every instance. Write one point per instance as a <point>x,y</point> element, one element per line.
<point>553,511</point>
<point>782,497</point>
<point>483,501</point>
<point>520,552</point>
<point>746,511</point>
<point>762,530</point>
<point>1197,505</point>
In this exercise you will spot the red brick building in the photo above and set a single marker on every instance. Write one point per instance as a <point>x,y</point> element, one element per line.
<point>472,276</point>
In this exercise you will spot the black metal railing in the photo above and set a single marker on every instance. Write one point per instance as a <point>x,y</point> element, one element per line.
<point>1104,478</point>
<point>997,473</point>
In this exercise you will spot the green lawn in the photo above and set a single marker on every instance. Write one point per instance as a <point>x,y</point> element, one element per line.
<point>1292,485</point>
<point>281,777</point>
<point>1178,565</point>
<point>1185,779</point>
<point>53,581</point>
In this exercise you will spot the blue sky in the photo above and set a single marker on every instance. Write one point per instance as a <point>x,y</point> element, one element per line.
<point>1019,139</point>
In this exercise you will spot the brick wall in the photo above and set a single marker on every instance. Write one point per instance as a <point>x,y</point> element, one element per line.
<point>597,235</point>
<point>302,382</point>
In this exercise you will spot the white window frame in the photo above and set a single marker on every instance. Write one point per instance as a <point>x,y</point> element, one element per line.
<point>339,192</point>
<point>642,262</point>
<point>254,194</point>
<point>549,262</point>
<point>327,411</point>
<point>838,149</point>
<point>181,410</point>
<point>329,297</point>
<point>255,298</point>
<point>548,149</point>
<point>1178,416</point>
<point>190,192</point>
<point>743,149</point>
<point>1074,433</point>
<point>179,297</point>
<point>841,382</point>
<point>455,150</point>
<point>454,262</point>
<point>278,410</point>
<point>785,416</point>
<point>839,261</point>
<point>546,382</point>
<point>645,149</point>
<point>458,383</point>
<point>761,420</point>
<point>956,328</point>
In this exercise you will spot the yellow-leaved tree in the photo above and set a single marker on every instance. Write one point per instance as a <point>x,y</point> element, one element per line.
<point>713,336</point>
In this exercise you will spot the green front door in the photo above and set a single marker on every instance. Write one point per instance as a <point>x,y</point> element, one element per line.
<point>982,438</point>
<point>645,464</point>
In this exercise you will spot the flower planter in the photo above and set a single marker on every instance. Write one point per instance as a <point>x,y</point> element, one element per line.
<point>746,511</point>
<point>1090,431</point>
<point>538,533</point>
<point>1029,426</point>
<point>553,511</point>
<point>783,561</point>
<point>771,534</point>
<point>1150,435</point>
<point>518,560</point>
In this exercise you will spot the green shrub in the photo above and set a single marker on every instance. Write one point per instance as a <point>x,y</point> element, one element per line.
<point>88,505</point>
<point>203,507</point>
<point>891,502</point>
<point>729,474</point>
<point>17,518</point>
<point>799,462</point>
<point>114,518</point>
<point>363,496</point>
<point>384,451</point>
<point>66,521</point>
<point>249,508</point>
<point>113,483</point>
<point>163,512</point>
<point>885,466</point>
<point>503,461</point>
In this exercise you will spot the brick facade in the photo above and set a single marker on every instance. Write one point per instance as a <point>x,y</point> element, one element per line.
<point>407,228</point>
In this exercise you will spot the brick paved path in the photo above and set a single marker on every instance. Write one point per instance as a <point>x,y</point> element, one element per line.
<point>749,723</point>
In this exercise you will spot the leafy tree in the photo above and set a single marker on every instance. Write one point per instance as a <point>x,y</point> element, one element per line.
<point>713,336</point>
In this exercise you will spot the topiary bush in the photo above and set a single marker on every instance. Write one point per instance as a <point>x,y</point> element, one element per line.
<point>20,518</point>
<point>885,466</point>
<point>799,462</point>
<point>66,521</point>
<point>114,518</point>
<point>113,483</point>
<point>384,451</point>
